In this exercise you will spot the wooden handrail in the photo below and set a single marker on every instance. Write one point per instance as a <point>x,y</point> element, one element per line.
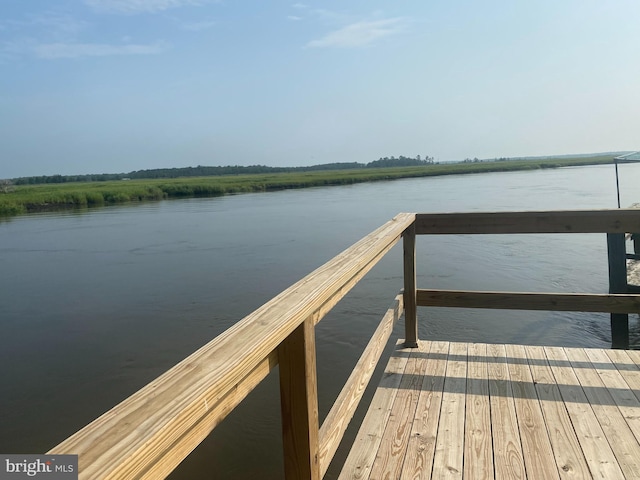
<point>562,302</point>
<point>615,223</point>
<point>577,221</point>
<point>152,431</point>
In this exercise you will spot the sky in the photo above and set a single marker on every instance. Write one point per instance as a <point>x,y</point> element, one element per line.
<point>96,86</point>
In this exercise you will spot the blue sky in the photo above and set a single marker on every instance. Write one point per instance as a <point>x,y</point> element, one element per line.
<point>91,86</point>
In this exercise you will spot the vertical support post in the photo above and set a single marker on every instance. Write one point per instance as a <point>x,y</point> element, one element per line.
<point>299,403</point>
<point>617,255</point>
<point>615,160</point>
<point>410,307</point>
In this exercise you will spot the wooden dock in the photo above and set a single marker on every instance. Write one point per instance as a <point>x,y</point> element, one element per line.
<point>476,411</point>
<point>442,410</point>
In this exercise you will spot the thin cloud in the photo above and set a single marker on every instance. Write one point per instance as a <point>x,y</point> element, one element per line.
<point>199,26</point>
<point>53,25</point>
<point>52,51</point>
<point>325,16</point>
<point>53,36</point>
<point>330,15</point>
<point>359,34</point>
<point>139,6</point>
<point>60,24</point>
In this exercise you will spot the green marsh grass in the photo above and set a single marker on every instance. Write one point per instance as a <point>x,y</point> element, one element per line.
<point>33,198</point>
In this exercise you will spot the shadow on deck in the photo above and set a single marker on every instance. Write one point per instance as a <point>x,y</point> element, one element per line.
<point>457,410</point>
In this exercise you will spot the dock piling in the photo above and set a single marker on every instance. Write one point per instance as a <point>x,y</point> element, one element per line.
<point>617,256</point>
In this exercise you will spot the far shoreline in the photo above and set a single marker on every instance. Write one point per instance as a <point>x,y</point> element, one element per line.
<point>25,199</point>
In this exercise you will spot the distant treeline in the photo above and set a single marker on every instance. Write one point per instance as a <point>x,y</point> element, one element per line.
<point>20,199</point>
<point>202,171</point>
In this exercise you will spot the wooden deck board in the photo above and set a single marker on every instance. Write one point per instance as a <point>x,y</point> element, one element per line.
<point>477,411</point>
<point>616,429</point>
<point>363,452</point>
<point>450,439</point>
<point>567,452</point>
<point>536,446</point>
<point>395,439</point>
<point>507,449</point>
<point>422,441</point>
<point>478,447</point>
<point>593,441</point>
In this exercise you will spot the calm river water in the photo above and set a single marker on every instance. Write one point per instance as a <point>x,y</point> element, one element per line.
<point>95,304</point>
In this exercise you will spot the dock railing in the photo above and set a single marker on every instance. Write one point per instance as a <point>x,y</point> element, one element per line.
<point>152,431</point>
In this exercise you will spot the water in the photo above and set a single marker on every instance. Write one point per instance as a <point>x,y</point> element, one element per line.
<point>95,304</point>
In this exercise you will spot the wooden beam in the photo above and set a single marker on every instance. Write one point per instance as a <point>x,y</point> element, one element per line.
<point>299,402</point>
<point>154,425</point>
<point>565,302</point>
<point>410,315</point>
<point>185,444</point>
<point>341,413</point>
<point>580,221</point>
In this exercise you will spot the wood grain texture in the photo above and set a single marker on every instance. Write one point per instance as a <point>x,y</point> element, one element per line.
<point>598,454</point>
<point>154,426</point>
<point>536,446</point>
<point>422,439</point>
<point>634,355</point>
<point>342,411</point>
<point>365,447</point>
<point>578,221</point>
<point>629,370</point>
<point>507,449</point>
<point>448,458</point>
<point>567,452</point>
<point>299,403</point>
<point>506,411</point>
<point>571,302</point>
<point>478,446</point>
<point>618,381</point>
<point>392,450</point>
<point>215,414</point>
<point>621,439</point>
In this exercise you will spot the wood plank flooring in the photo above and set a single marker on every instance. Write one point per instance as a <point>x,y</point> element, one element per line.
<point>450,410</point>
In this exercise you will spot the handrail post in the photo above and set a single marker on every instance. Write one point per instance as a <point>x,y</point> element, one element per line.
<point>410,303</point>
<point>299,403</point>
<point>617,255</point>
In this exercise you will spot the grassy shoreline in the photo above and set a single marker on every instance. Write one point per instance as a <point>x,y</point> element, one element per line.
<point>25,199</point>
